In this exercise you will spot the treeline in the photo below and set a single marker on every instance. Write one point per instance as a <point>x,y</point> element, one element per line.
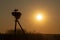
<point>10,35</point>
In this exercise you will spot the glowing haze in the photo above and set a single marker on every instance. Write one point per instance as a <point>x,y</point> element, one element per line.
<point>38,16</point>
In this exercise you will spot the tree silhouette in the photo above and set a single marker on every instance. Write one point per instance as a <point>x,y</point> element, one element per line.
<point>18,31</point>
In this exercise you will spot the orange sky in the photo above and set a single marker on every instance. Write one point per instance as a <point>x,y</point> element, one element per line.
<point>49,8</point>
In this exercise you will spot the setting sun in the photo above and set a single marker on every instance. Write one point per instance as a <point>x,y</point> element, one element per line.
<point>39,17</point>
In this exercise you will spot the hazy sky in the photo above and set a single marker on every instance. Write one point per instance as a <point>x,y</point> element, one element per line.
<point>29,8</point>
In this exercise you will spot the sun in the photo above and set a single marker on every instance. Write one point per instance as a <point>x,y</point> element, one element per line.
<point>39,17</point>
